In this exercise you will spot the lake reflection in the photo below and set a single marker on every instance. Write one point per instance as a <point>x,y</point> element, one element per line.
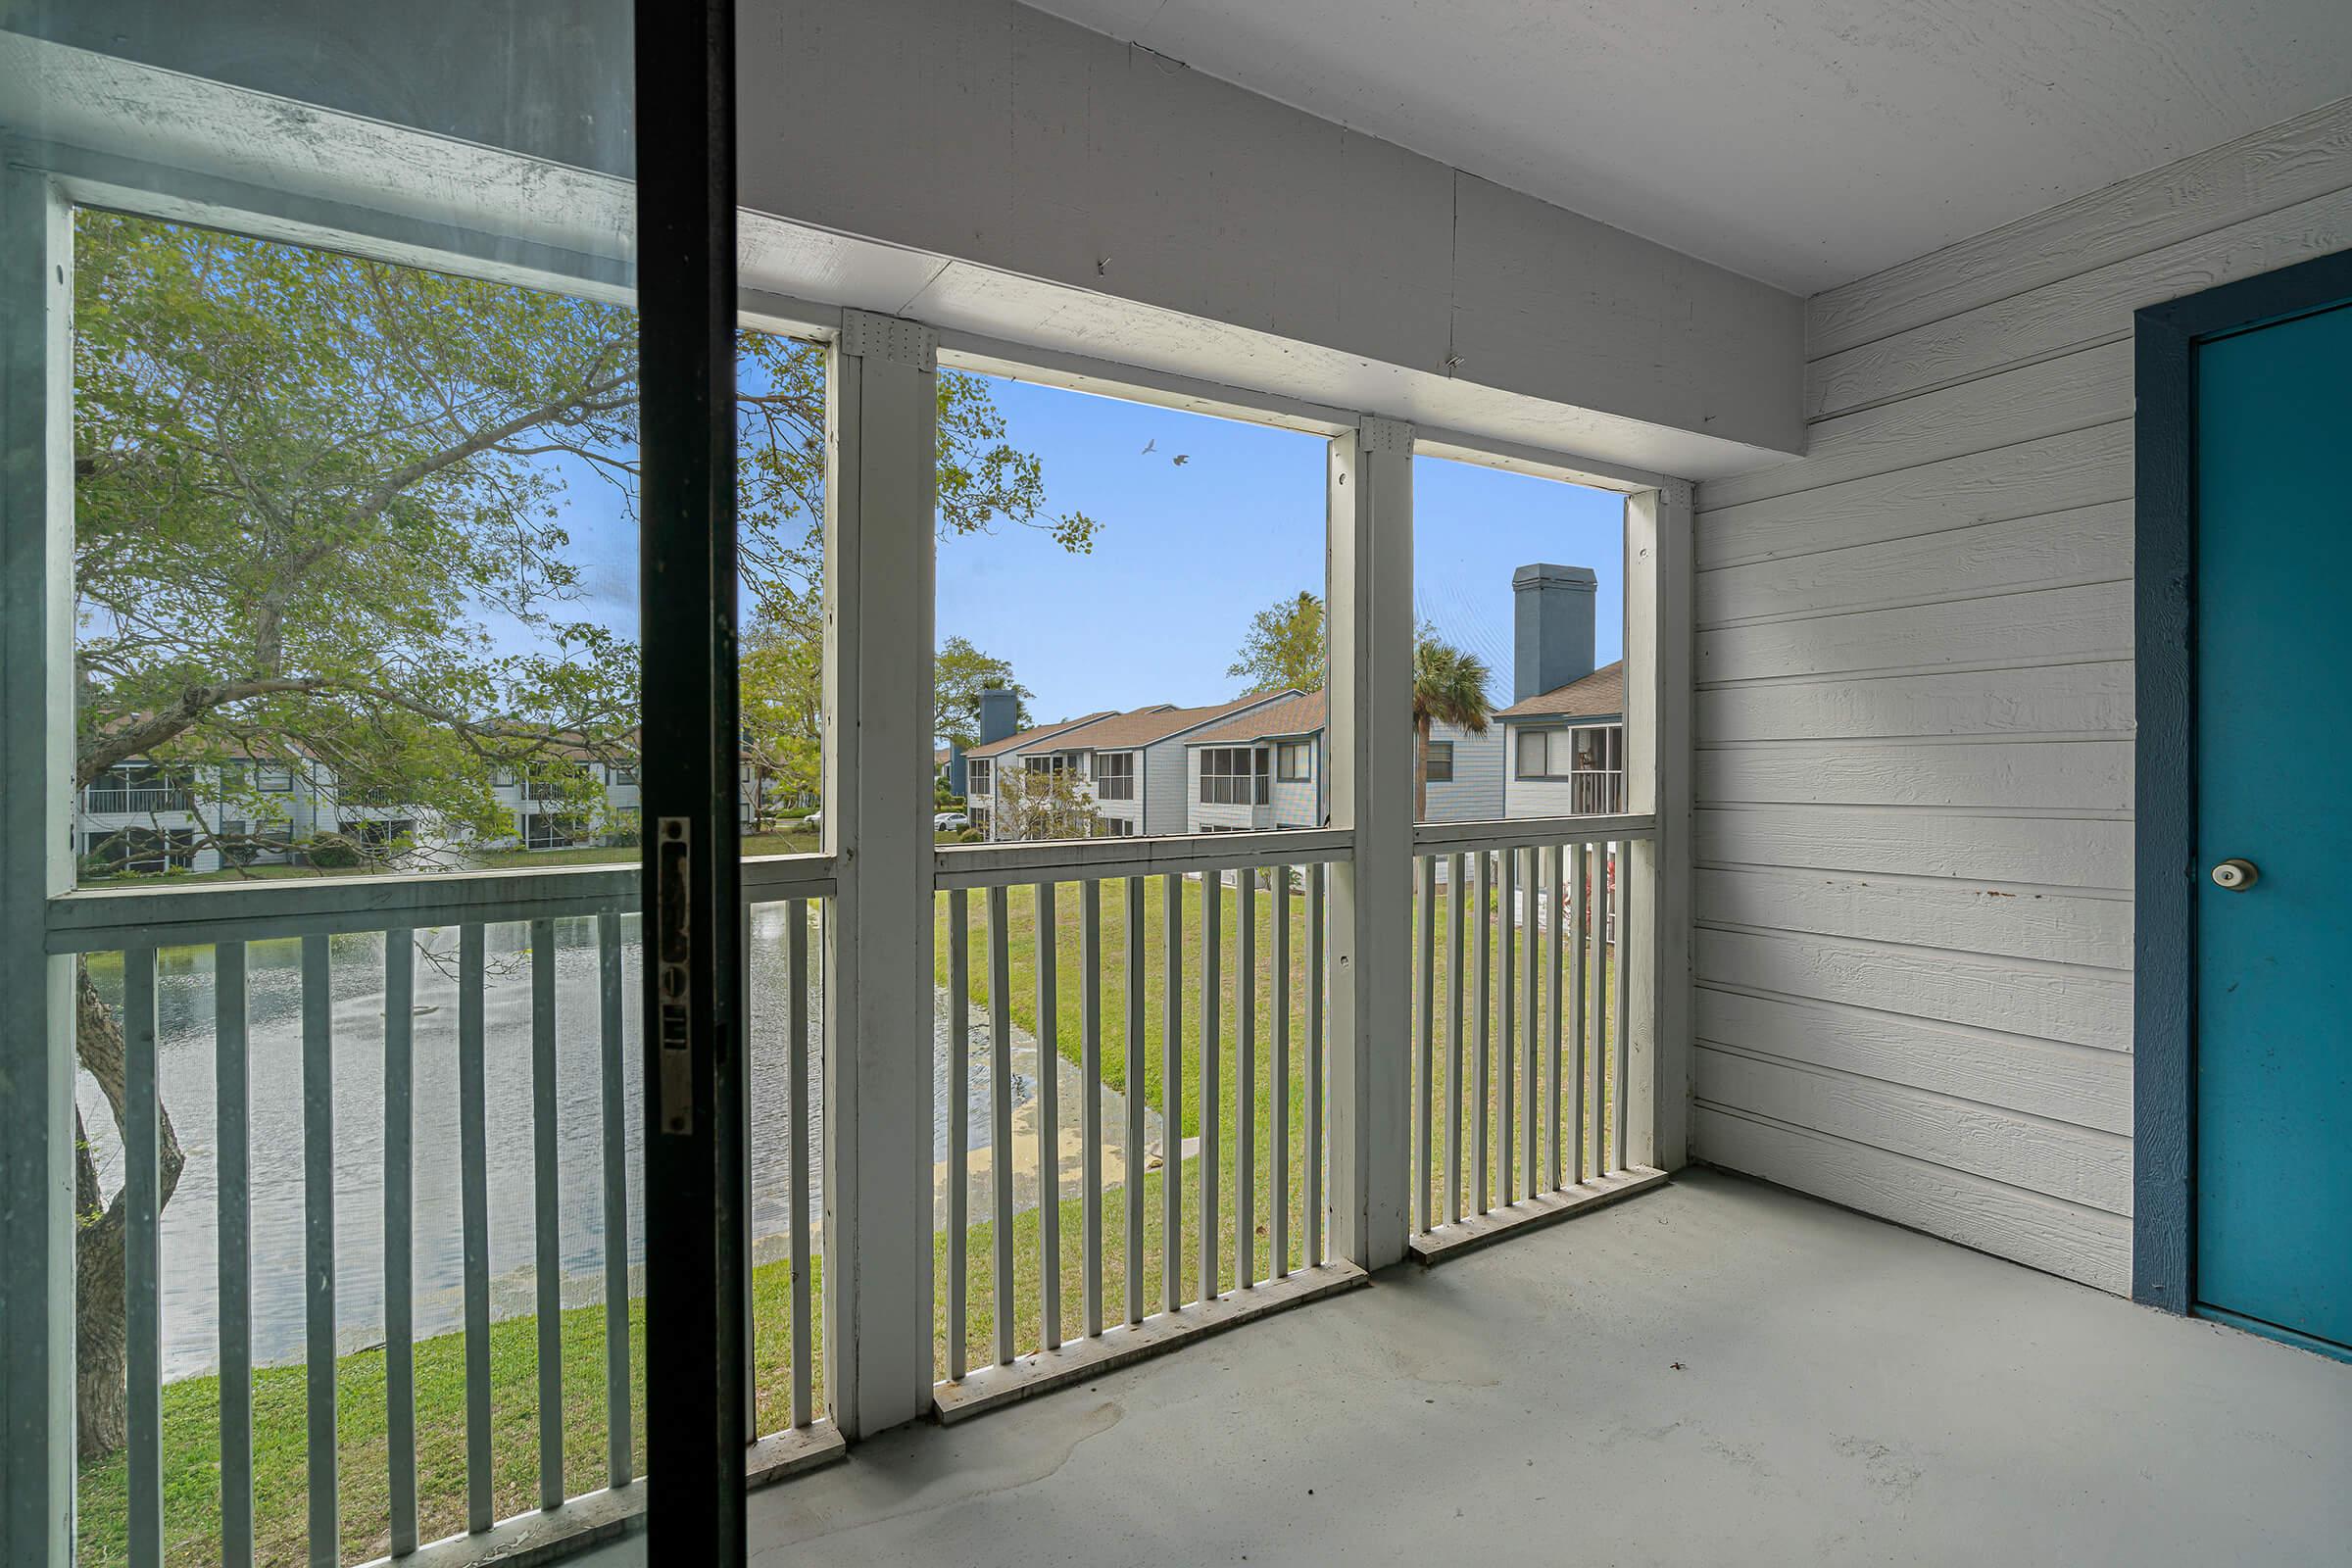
<point>186,1070</point>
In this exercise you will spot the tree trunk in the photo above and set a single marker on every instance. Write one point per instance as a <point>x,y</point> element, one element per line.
<point>1420,767</point>
<point>101,1342</point>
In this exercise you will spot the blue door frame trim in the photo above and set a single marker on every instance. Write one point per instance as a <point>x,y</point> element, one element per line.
<point>2163,937</point>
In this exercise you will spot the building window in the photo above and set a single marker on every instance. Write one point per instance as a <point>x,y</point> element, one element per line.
<point>1297,763</point>
<point>976,778</point>
<point>1265,776</point>
<point>1114,776</point>
<point>1049,764</point>
<point>1229,775</point>
<point>141,850</point>
<point>551,831</point>
<point>1588,757</point>
<point>1441,761</point>
<point>623,775</point>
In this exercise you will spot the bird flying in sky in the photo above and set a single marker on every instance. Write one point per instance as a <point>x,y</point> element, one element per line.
<point>1181,459</point>
<point>1149,447</point>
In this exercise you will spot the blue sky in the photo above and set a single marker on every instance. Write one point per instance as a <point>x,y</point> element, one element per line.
<point>1188,553</point>
<point>1185,555</point>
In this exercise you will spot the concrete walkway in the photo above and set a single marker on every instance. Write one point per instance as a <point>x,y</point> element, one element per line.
<point>1715,1373</point>
<point>1028,1113</point>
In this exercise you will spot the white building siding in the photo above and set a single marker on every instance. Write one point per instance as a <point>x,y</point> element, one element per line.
<point>1476,793</point>
<point>1914,720</point>
<point>1167,781</point>
<point>1299,804</point>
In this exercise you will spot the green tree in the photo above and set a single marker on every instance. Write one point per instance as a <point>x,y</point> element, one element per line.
<point>1450,684</point>
<point>1284,647</point>
<point>320,500</point>
<point>964,674</point>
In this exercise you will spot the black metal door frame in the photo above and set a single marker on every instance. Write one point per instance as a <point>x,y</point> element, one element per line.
<point>694,1245</point>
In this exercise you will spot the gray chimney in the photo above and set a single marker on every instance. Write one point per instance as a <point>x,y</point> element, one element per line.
<point>1552,642</point>
<point>1000,715</point>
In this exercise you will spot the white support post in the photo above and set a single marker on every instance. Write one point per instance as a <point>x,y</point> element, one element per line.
<point>1371,736</point>
<point>36,750</point>
<point>881,497</point>
<point>1658,698</point>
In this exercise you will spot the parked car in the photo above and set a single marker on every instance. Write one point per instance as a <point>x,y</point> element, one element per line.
<point>950,823</point>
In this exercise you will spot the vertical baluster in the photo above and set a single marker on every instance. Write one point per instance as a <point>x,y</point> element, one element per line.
<point>1579,912</point>
<point>1554,920</point>
<point>1620,1045</point>
<point>318,1245</point>
<point>1090,1084</point>
<point>1279,1204</point>
<point>960,1122</point>
<point>1212,921</point>
<point>1133,1056</point>
<point>1482,1111</point>
<point>233,1136</point>
<point>473,1187</point>
<point>619,1455</point>
<point>1171,1094</point>
<point>142,1265</point>
<point>1506,1168</point>
<point>1245,1088</point>
<point>400,1132</point>
<point>1426,1088</point>
<point>1000,1148</point>
<point>1531,1077</point>
<point>1049,1116</point>
<point>1314,1063</point>
<point>1458,899</point>
<point>546,1233</point>
<point>1596,1086</point>
<point>796,958</point>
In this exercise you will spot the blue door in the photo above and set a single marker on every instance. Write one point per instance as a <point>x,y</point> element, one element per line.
<point>2274,779</point>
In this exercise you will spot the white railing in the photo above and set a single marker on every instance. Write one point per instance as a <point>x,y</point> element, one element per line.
<point>411,914</point>
<point>1522,1080</point>
<point>139,798</point>
<point>1202,1270</point>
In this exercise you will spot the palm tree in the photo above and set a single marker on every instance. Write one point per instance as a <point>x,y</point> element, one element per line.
<point>1449,683</point>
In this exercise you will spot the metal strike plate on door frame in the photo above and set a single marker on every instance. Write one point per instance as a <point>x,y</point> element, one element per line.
<point>673,924</point>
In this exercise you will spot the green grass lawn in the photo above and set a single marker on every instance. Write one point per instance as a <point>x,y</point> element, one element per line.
<point>1069,1040</point>
<point>191,1443</point>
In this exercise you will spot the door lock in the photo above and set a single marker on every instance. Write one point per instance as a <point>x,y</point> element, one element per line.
<point>2236,876</point>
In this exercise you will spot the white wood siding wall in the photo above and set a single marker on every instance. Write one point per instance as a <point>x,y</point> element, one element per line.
<point>1914,720</point>
<point>1476,793</point>
<point>1166,783</point>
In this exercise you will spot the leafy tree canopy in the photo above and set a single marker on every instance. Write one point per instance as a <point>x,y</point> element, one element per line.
<point>1284,647</point>
<point>964,674</point>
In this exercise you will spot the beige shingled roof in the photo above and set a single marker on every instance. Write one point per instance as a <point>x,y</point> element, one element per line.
<point>1031,736</point>
<point>1145,725</point>
<point>1599,695</point>
<point>1294,715</point>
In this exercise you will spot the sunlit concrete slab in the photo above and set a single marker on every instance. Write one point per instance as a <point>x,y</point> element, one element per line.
<point>1713,1372</point>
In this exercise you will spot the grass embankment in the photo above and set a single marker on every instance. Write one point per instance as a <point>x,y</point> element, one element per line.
<point>191,1436</point>
<point>1069,1040</point>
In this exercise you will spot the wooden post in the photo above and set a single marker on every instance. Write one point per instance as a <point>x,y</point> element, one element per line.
<point>1371,652</point>
<point>36,750</point>
<point>1658,587</point>
<point>881,415</point>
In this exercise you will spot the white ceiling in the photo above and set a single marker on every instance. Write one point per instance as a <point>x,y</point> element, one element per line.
<point>1803,142</point>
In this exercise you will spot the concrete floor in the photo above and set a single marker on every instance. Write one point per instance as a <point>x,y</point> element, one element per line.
<point>1715,1373</point>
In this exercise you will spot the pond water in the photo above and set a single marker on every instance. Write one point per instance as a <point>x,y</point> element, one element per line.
<point>186,1077</point>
